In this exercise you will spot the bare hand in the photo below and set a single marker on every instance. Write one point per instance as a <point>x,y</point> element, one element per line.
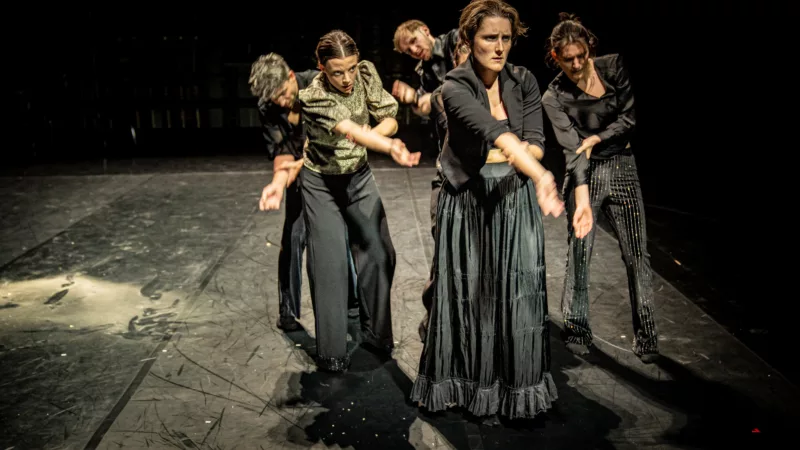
<point>364,127</point>
<point>547,195</point>
<point>587,145</point>
<point>293,168</point>
<point>403,92</point>
<point>271,197</point>
<point>402,156</point>
<point>582,220</point>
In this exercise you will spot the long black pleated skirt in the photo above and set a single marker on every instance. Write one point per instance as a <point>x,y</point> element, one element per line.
<point>488,343</point>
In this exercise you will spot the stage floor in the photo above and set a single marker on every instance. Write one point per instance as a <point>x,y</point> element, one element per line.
<point>138,311</point>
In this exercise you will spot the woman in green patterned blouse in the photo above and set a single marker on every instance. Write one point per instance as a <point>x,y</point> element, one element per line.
<point>340,196</point>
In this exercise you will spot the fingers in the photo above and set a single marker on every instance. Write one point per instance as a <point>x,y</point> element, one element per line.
<point>589,152</point>
<point>582,222</point>
<point>270,198</point>
<point>547,197</point>
<point>407,159</point>
<point>577,225</point>
<point>558,207</point>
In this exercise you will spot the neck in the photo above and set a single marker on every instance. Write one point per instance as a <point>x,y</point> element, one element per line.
<point>488,77</point>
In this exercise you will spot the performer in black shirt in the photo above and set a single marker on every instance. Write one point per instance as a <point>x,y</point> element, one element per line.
<point>436,58</point>
<point>277,87</point>
<point>590,105</point>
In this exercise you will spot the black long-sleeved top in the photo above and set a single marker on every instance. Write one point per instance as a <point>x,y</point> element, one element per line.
<point>280,135</point>
<point>439,116</point>
<point>576,115</point>
<point>471,129</point>
<point>432,72</point>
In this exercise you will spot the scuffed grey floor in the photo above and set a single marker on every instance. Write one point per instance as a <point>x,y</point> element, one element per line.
<point>139,311</point>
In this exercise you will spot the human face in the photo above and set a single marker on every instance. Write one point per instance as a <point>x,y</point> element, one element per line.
<point>573,60</point>
<point>341,73</point>
<point>418,45</point>
<point>287,94</point>
<point>492,43</point>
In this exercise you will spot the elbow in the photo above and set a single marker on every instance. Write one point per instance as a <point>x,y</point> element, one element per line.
<point>391,126</point>
<point>537,151</point>
<point>344,127</point>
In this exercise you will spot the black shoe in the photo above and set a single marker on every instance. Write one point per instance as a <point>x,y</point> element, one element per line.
<point>333,365</point>
<point>647,352</point>
<point>578,349</point>
<point>649,358</point>
<point>288,323</point>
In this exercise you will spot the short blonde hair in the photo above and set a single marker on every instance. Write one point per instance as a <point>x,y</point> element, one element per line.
<point>406,28</point>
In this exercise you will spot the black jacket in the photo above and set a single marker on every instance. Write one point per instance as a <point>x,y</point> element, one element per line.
<point>471,129</point>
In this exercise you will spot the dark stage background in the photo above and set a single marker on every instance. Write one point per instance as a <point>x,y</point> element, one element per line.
<point>81,78</point>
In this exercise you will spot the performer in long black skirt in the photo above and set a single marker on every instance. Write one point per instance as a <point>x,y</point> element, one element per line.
<point>487,347</point>
<point>590,104</point>
<point>340,197</point>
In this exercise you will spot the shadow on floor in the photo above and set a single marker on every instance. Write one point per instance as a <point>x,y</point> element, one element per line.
<point>706,414</point>
<point>368,408</point>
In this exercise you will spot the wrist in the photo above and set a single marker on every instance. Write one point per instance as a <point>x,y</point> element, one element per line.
<point>545,177</point>
<point>392,145</point>
<point>280,176</point>
<point>582,194</point>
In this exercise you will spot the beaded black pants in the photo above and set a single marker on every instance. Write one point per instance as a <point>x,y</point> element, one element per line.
<point>613,189</point>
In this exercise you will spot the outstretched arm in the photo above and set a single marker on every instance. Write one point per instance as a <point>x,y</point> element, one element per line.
<point>378,142</point>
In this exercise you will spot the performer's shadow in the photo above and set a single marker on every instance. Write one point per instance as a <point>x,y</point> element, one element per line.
<point>706,414</point>
<point>369,408</point>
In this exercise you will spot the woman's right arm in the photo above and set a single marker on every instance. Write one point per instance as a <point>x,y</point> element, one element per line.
<point>577,164</point>
<point>335,118</point>
<point>516,151</point>
<point>378,142</point>
<point>461,105</point>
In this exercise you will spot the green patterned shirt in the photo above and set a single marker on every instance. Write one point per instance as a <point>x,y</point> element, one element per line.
<point>328,152</point>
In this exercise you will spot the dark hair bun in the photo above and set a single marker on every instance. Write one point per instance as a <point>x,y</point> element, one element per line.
<point>563,17</point>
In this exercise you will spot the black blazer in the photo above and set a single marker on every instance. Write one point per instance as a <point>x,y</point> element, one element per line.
<point>471,129</point>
